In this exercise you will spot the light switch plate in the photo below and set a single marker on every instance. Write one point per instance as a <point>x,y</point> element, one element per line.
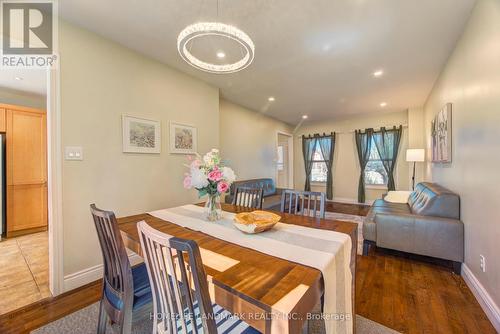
<point>73,153</point>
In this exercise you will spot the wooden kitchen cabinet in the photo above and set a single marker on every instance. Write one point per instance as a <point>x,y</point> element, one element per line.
<point>2,119</point>
<point>26,170</point>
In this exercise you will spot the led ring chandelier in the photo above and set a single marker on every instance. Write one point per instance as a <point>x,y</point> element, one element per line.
<point>202,29</point>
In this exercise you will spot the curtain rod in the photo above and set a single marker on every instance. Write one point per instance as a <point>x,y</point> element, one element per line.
<point>319,135</point>
<point>374,129</point>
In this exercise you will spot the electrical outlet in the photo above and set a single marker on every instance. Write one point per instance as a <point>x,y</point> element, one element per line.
<point>482,263</point>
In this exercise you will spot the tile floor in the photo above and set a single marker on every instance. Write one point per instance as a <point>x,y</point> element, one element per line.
<point>24,271</point>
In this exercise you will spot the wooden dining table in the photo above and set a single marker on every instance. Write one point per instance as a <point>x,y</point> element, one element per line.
<point>269,293</point>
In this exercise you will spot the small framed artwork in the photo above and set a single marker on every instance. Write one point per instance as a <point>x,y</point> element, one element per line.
<point>441,135</point>
<point>141,135</point>
<point>183,138</point>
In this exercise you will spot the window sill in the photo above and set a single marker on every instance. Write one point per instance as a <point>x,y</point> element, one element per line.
<point>318,183</point>
<point>376,187</point>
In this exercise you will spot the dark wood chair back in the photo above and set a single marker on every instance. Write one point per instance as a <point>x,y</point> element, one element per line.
<point>177,291</point>
<point>248,197</point>
<point>305,203</point>
<point>117,279</point>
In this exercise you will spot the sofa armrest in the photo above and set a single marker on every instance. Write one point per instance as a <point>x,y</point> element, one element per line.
<point>425,235</point>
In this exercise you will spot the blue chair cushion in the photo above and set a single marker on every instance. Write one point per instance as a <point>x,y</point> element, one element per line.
<point>141,280</point>
<point>225,322</point>
<point>142,290</point>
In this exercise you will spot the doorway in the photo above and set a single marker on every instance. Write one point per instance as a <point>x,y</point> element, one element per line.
<point>284,161</point>
<point>24,245</point>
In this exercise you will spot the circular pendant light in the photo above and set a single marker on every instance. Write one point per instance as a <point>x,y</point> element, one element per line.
<point>203,29</point>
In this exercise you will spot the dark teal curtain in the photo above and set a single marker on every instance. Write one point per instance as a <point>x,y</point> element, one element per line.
<point>308,145</point>
<point>327,146</point>
<point>387,143</point>
<point>363,145</point>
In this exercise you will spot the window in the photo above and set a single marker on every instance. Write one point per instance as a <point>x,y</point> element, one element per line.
<point>375,173</point>
<point>319,170</point>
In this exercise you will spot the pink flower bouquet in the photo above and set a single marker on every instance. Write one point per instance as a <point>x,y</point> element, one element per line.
<point>210,177</point>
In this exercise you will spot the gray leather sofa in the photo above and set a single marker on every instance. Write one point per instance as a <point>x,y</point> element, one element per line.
<point>272,195</point>
<point>429,224</point>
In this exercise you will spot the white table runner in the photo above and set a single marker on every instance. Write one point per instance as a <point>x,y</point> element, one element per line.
<point>327,251</point>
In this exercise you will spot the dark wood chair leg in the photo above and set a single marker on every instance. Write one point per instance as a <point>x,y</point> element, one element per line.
<point>103,320</point>
<point>457,267</point>
<point>366,246</point>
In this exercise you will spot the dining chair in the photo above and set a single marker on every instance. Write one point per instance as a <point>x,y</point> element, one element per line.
<point>305,203</point>
<point>125,290</point>
<point>181,301</point>
<point>248,197</point>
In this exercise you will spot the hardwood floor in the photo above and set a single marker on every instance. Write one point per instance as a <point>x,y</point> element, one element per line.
<point>30,317</point>
<point>398,291</point>
<point>24,274</point>
<point>412,296</point>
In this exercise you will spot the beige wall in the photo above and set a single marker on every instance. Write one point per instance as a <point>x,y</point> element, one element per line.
<point>346,166</point>
<point>416,139</point>
<point>471,81</point>
<point>248,140</point>
<point>9,96</point>
<point>101,81</point>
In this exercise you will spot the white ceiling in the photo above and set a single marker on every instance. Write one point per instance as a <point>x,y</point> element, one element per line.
<point>316,57</point>
<point>26,80</point>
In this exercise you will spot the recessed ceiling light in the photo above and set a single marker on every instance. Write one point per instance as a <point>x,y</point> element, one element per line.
<point>18,78</point>
<point>383,104</point>
<point>221,54</point>
<point>271,99</point>
<point>378,73</point>
<point>304,116</point>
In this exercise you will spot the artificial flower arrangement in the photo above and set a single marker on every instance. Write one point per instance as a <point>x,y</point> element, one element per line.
<point>211,177</point>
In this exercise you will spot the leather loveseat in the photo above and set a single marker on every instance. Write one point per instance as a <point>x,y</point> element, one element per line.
<point>272,195</point>
<point>429,224</point>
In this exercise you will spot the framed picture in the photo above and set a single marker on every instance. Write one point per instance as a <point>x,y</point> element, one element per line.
<point>141,135</point>
<point>441,135</point>
<point>183,138</point>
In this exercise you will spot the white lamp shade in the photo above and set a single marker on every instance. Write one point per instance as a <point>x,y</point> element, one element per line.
<point>415,155</point>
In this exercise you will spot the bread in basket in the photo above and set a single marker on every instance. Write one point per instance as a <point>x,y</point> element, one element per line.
<point>255,221</point>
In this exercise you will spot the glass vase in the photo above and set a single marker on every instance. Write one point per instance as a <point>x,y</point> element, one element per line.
<point>213,209</point>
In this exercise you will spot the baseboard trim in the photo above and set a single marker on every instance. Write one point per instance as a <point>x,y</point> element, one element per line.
<point>483,297</point>
<point>91,274</point>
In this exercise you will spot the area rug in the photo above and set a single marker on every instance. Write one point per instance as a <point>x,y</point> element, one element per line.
<point>84,321</point>
<point>353,219</point>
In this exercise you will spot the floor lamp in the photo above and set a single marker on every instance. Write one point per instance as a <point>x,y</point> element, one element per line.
<point>415,155</point>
